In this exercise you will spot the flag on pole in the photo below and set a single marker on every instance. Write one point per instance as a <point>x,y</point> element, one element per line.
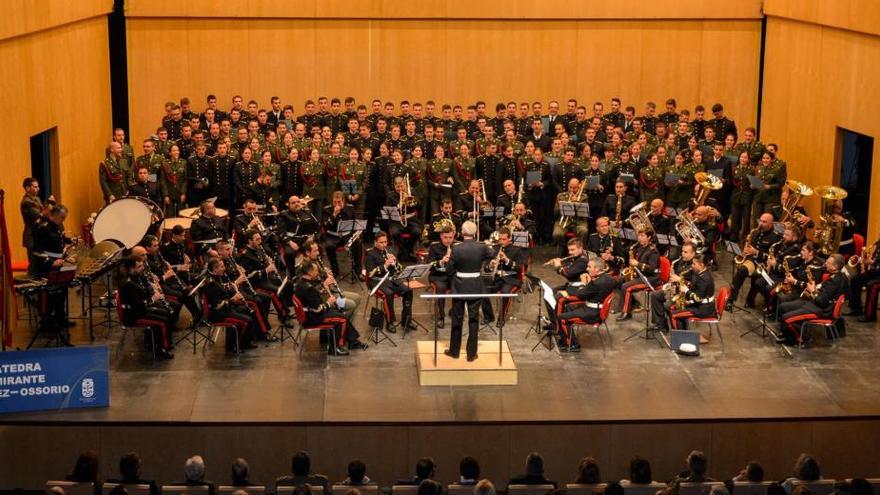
<point>8,306</point>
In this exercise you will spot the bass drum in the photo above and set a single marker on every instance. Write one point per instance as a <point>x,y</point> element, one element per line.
<point>126,220</point>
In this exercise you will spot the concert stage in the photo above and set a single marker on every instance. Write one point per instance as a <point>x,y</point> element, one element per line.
<point>634,380</point>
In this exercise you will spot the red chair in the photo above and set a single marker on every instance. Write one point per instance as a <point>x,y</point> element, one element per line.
<point>720,301</point>
<point>858,244</point>
<point>665,269</point>
<point>827,323</point>
<point>218,324</point>
<point>300,316</point>
<point>145,324</point>
<point>20,266</point>
<point>603,316</point>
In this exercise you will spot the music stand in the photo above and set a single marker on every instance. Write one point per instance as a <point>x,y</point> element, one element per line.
<point>390,213</point>
<point>407,274</point>
<point>735,250</point>
<point>354,228</point>
<point>538,325</point>
<point>574,209</point>
<point>648,332</point>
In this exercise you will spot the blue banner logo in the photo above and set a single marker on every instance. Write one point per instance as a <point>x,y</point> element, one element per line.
<point>49,379</point>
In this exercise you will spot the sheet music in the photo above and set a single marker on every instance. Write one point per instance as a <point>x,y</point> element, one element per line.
<point>548,295</point>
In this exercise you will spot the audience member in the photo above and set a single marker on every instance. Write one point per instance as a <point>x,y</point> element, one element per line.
<point>86,468</point>
<point>534,472</point>
<point>194,470</point>
<point>357,474</point>
<point>484,487</point>
<point>425,470</point>
<point>130,471</point>
<point>241,473</point>
<point>588,472</point>
<point>468,471</point>
<point>805,469</point>
<point>430,487</point>
<point>698,464</point>
<point>639,471</point>
<point>301,468</point>
<point>752,473</point>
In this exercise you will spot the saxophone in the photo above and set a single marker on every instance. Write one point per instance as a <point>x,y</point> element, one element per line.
<point>679,297</point>
<point>629,273</point>
<point>806,294</point>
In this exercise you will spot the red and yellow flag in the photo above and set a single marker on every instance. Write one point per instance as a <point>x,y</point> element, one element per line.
<point>8,306</point>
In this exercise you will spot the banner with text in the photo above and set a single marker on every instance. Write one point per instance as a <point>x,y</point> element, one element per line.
<point>60,378</point>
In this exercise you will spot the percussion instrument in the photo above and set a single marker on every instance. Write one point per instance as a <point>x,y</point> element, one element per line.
<point>126,221</point>
<point>194,212</point>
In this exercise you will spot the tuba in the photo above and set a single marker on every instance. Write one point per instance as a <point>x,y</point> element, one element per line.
<point>638,218</point>
<point>829,231</point>
<point>707,183</point>
<point>796,191</point>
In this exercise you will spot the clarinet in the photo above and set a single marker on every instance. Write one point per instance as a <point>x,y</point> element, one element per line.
<point>275,276</point>
<point>334,287</point>
<point>240,270</point>
<point>167,264</point>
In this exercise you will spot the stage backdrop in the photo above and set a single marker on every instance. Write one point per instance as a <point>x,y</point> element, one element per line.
<point>449,51</point>
<point>56,74</point>
<point>820,73</point>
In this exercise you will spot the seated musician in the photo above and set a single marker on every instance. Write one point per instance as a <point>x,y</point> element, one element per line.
<point>409,222</point>
<point>469,207</point>
<point>440,280</point>
<point>618,205</point>
<point>845,219</point>
<point>522,221</point>
<point>321,309</point>
<point>571,267</point>
<point>312,251</point>
<point>144,305</point>
<point>227,304</point>
<point>705,220</point>
<point>143,188</point>
<point>606,246</point>
<point>681,275</point>
<point>207,229</point>
<point>574,226</point>
<point>334,213</point>
<point>248,220</point>
<point>511,267</point>
<point>174,251</point>
<point>644,256</point>
<point>378,262</point>
<point>49,243</point>
<point>295,226</point>
<point>755,250</point>
<point>798,216</point>
<point>445,215</point>
<point>155,281</point>
<point>258,302</point>
<point>699,294</point>
<point>782,254</point>
<point>596,287</point>
<point>819,302</point>
<point>661,223</point>
<point>507,198</point>
<point>868,276</point>
<point>808,267</point>
<point>172,286</point>
<point>263,274</point>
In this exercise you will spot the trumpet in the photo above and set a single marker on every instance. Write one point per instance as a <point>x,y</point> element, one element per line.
<point>561,260</point>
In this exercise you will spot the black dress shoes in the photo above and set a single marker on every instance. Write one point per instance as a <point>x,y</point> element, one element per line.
<point>339,351</point>
<point>450,354</point>
<point>472,358</point>
<point>624,317</point>
<point>440,323</point>
<point>358,345</point>
<point>164,354</point>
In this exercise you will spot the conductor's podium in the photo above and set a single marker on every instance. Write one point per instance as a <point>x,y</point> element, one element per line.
<point>487,369</point>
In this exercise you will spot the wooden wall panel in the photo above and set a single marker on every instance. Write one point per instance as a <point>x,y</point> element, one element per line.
<point>61,79</point>
<point>451,9</point>
<point>854,15</point>
<point>816,80</point>
<point>21,17</point>
<point>448,61</point>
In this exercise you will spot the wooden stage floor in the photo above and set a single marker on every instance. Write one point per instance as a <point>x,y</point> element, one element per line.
<point>634,380</point>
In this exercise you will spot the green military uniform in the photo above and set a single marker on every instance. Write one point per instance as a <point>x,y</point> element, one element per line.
<point>455,146</point>
<point>440,173</point>
<point>755,150</point>
<point>273,169</point>
<point>678,195</point>
<point>774,176</point>
<point>418,179</point>
<point>173,183</point>
<point>462,173</point>
<point>651,182</point>
<point>483,143</point>
<point>331,181</point>
<point>153,163</point>
<point>357,172</point>
<point>313,180</point>
<point>113,178</point>
<point>164,147</point>
<point>741,201</point>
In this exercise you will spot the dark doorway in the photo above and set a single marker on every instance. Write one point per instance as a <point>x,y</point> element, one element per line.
<point>118,65</point>
<point>44,162</point>
<point>856,152</point>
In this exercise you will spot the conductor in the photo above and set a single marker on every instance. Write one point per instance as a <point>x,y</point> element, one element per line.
<point>466,263</point>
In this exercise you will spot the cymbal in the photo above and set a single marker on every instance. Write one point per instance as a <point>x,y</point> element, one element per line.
<point>832,193</point>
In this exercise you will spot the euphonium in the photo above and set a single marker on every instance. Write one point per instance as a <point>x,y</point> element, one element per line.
<point>707,183</point>
<point>638,218</point>
<point>796,191</point>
